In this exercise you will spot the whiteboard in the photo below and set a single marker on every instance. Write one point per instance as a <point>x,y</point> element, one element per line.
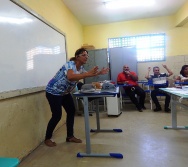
<point>31,50</point>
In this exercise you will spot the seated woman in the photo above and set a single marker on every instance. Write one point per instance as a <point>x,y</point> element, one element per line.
<point>183,77</point>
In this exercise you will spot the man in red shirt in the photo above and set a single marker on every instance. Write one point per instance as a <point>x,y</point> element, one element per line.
<point>132,88</point>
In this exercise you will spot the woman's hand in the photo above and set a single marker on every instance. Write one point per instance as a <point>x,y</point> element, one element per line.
<point>103,71</point>
<point>184,79</point>
<point>94,71</point>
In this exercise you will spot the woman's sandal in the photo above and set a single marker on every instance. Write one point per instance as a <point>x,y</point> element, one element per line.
<point>73,139</point>
<point>50,143</point>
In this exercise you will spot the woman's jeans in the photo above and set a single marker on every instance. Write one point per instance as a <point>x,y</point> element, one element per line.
<point>56,103</point>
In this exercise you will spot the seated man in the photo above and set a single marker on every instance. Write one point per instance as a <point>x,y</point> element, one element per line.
<point>159,81</point>
<point>132,88</point>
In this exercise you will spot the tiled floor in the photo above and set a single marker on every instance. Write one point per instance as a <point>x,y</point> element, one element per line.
<point>143,143</point>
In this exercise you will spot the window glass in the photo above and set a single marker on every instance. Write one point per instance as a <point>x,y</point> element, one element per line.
<point>149,47</point>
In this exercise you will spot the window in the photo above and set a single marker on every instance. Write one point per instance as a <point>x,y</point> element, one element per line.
<point>150,47</point>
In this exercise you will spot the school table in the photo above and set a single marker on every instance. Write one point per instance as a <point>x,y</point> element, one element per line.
<point>177,95</point>
<point>97,94</point>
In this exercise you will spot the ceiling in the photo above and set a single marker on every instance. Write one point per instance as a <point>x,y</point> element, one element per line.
<point>91,12</point>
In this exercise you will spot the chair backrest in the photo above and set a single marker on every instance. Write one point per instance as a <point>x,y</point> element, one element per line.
<point>122,91</point>
<point>161,85</point>
<point>150,84</point>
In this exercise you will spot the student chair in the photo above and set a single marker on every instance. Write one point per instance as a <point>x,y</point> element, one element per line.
<point>123,96</point>
<point>9,162</point>
<point>149,87</point>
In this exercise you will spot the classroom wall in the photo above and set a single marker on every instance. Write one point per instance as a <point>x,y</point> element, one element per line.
<point>23,119</point>
<point>175,27</point>
<point>176,36</point>
<point>181,17</point>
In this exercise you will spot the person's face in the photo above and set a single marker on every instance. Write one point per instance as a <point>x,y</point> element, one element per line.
<point>83,57</point>
<point>156,71</point>
<point>185,71</point>
<point>125,68</point>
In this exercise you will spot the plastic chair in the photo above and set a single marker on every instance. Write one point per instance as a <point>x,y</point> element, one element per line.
<point>150,86</point>
<point>123,96</point>
<point>9,162</point>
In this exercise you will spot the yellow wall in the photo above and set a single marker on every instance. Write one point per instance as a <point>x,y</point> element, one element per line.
<point>23,119</point>
<point>181,16</point>
<point>98,35</point>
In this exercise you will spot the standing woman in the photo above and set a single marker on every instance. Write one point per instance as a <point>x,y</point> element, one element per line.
<point>58,93</point>
<point>183,77</point>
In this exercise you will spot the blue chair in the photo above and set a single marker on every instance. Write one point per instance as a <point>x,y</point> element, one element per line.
<point>150,86</point>
<point>9,162</point>
<point>180,84</point>
<point>123,96</point>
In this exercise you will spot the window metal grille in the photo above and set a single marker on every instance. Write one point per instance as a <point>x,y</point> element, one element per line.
<point>150,47</point>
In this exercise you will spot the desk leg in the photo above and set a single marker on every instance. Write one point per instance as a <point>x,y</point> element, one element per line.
<point>98,122</point>
<point>87,129</point>
<point>97,114</point>
<point>174,115</point>
<point>87,133</point>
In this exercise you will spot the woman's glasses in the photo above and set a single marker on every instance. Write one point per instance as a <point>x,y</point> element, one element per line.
<point>84,55</point>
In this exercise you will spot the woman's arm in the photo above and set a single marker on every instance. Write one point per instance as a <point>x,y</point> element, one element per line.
<point>93,72</point>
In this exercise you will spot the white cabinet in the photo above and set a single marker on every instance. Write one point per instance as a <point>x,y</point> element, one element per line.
<point>113,106</point>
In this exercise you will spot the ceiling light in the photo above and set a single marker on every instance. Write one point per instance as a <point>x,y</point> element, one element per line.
<point>128,3</point>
